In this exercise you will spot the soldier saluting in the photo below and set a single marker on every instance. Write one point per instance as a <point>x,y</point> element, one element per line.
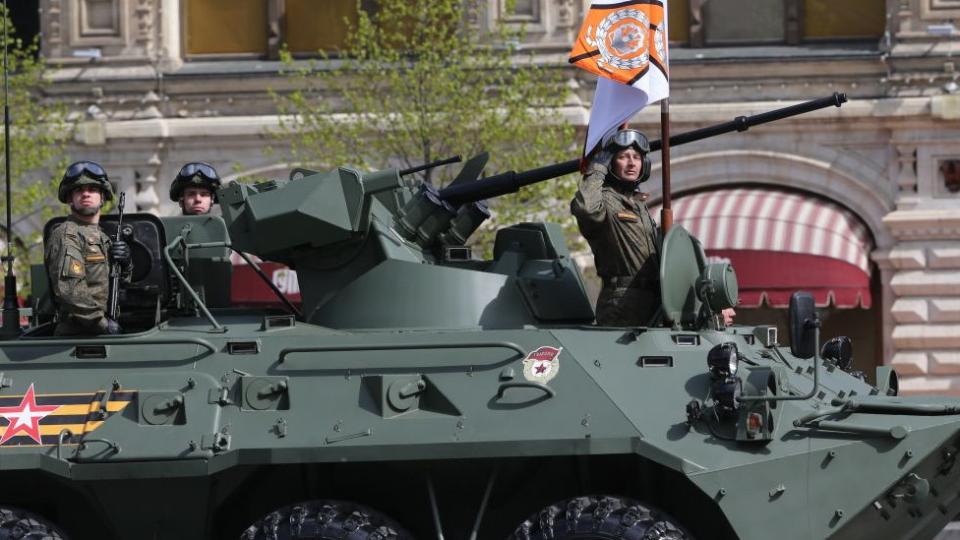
<point>76,254</point>
<point>623,237</point>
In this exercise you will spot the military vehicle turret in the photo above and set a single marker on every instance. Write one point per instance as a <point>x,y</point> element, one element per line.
<point>419,392</point>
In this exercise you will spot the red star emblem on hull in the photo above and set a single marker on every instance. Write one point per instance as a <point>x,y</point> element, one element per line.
<point>25,418</point>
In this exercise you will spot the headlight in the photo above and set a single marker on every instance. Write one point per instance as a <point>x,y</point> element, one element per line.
<point>723,360</point>
<point>840,350</point>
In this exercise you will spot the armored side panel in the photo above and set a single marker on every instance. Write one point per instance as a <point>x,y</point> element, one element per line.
<point>207,269</point>
<point>314,211</point>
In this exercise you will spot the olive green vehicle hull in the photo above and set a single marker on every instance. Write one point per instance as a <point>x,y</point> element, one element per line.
<point>450,394</point>
<point>219,428</point>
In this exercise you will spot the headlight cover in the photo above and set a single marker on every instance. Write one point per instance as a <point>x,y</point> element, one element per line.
<point>723,360</point>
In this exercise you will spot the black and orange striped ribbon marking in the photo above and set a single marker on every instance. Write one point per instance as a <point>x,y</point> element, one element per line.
<point>78,413</point>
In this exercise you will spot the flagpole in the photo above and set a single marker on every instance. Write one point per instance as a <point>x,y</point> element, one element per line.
<point>666,212</point>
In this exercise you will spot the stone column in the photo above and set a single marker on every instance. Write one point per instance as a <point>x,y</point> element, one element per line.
<point>925,310</point>
<point>276,22</point>
<point>51,25</point>
<point>906,174</point>
<point>169,51</point>
<point>147,198</point>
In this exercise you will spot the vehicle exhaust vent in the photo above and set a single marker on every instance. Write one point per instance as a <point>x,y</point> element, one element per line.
<point>690,340</point>
<point>243,347</point>
<point>273,322</point>
<point>655,361</point>
<point>90,351</point>
<point>457,253</point>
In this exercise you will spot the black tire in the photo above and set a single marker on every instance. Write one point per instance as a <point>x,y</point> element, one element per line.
<point>599,517</point>
<point>326,520</point>
<point>22,524</point>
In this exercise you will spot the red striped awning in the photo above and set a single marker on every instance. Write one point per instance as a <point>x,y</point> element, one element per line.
<point>780,242</point>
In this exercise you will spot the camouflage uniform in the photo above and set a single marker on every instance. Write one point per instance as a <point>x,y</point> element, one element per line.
<point>77,263</point>
<point>624,240</point>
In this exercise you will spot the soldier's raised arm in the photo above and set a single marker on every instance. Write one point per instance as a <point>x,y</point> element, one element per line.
<point>587,204</point>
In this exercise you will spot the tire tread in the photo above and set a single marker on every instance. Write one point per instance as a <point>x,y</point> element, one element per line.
<point>600,516</point>
<point>17,523</point>
<point>325,520</point>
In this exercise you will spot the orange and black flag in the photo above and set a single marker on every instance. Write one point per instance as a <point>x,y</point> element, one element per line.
<point>625,43</point>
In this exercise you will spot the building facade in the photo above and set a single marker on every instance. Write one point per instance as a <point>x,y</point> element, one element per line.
<point>152,84</point>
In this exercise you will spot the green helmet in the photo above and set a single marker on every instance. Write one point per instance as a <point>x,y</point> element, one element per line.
<point>83,173</point>
<point>196,174</point>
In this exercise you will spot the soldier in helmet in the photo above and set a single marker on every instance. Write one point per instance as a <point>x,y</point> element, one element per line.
<point>623,236</point>
<point>195,188</point>
<point>77,251</point>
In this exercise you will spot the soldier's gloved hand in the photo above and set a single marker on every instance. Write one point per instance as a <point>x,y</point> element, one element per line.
<point>120,253</point>
<point>602,158</point>
<point>113,327</point>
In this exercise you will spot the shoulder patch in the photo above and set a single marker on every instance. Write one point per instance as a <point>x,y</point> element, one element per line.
<point>72,267</point>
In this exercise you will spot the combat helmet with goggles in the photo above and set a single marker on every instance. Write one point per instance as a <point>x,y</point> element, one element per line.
<point>630,138</point>
<point>196,174</point>
<point>84,173</point>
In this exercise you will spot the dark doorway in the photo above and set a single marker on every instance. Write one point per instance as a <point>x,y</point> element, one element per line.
<point>25,16</point>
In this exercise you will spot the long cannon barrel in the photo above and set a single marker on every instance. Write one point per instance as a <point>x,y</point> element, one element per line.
<point>743,123</point>
<point>512,181</point>
<point>432,164</point>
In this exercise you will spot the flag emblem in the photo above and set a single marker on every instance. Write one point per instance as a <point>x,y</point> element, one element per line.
<point>622,42</point>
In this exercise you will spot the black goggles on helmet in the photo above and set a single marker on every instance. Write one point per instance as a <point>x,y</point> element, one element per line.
<point>205,171</point>
<point>84,168</point>
<point>626,138</point>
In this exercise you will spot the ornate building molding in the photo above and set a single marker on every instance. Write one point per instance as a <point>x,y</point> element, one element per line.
<point>939,9</point>
<point>103,31</point>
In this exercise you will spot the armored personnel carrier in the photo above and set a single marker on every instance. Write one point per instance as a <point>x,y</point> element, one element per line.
<point>419,392</point>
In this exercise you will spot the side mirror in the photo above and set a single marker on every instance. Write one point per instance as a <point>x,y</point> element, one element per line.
<point>840,350</point>
<point>803,324</point>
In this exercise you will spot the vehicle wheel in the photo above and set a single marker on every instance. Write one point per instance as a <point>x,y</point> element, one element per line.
<point>327,520</point>
<point>21,524</point>
<point>599,518</point>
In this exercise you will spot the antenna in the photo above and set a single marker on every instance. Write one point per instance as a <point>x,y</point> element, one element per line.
<point>11,312</point>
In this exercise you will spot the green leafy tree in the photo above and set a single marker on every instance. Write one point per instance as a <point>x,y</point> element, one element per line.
<point>37,136</point>
<point>417,82</point>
